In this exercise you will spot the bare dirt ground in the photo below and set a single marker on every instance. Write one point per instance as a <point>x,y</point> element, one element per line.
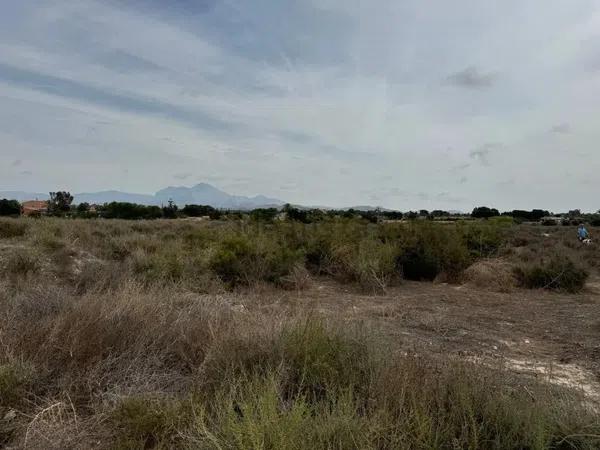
<point>552,336</point>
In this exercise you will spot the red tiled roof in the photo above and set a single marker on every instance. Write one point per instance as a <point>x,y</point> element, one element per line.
<point>34,206</point>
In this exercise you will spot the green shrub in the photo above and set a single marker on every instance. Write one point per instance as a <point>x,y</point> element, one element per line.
<point>558,273</point>
<point>412,405</point>
<point>241,259</point>
<point>10,228</point>
<point>431,249</point>
<point>483,239</point>
<point>144,422</point>
<point>10,207</point>
<point>253,416</point>
<point>230,261</point>
<point>319,360</point>
<point>369,262</point>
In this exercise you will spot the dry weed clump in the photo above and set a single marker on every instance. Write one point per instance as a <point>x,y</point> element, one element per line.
<point>11,228</point>
<point>20,262</point>
<point>491,274</point>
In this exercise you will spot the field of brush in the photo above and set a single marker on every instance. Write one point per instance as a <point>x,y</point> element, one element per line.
<point>336,335</point>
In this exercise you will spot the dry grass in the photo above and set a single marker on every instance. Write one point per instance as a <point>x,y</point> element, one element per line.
<point>491,274</point>
<point>131,335</point>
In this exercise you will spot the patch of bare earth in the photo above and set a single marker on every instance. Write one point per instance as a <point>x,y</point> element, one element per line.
<point>552,336</point>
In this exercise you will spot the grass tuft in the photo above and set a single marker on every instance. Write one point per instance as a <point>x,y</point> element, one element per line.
<point>558,273</point>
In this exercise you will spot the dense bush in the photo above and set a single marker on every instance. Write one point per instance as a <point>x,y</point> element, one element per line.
<point>130,211</point>
<point>428,250</point>
<point>558,273</point>
<point>264,214</point>
<point>243,259</point>
<point>374,256</point>
<point>10,207</point>
<point>199,211</point>
<point>483,212</point>
<point>534,215</point>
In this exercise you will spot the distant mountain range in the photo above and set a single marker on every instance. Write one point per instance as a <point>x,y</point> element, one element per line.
<point>201,194</point>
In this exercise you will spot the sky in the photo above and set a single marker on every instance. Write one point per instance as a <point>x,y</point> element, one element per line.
<point>405,104</point>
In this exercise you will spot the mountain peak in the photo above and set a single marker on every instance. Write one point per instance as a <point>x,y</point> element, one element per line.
<point>207,194</point>
<point>200,194</point>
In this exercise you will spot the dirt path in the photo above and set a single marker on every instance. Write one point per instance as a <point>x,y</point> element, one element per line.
<point>550,335</point>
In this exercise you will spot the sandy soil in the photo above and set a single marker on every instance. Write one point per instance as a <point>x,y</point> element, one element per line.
<point>552,336</point>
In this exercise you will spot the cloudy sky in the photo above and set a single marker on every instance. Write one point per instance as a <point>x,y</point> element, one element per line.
<point>405,103</point>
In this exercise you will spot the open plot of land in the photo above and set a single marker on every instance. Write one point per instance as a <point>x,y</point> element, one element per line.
<point>173,334</point>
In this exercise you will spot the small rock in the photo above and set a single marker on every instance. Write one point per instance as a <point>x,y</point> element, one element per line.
<point>10,415</point>
<point>238,308</point>
<point>527,341</point>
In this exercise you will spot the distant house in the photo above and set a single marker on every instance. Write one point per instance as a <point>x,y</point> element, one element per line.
<point>34,207</point>
<point>552,220</point>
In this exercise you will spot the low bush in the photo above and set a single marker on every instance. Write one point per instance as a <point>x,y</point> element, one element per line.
<point>368,262</point>
<point>145,422</point>
<point>253,416</point>
<point>240,259</point>
<point>320,360</point>
<point>428,251</point>
<point>557,273</point>
<point>10,228</point>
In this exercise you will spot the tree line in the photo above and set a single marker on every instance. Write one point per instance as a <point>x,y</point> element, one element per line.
<point>60,204</point>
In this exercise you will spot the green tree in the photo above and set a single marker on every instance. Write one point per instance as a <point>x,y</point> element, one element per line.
<point>9,208</point>
<point>130,211</point>
<point>295,214</point>
<point>59,203</point>
<point>170,211</point>
<point>200,211</point>
<point>264,214</point>
<point>483,212</point>
<point>83,208</point>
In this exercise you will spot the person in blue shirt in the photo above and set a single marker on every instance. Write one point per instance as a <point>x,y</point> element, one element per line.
<point>582,233</point>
